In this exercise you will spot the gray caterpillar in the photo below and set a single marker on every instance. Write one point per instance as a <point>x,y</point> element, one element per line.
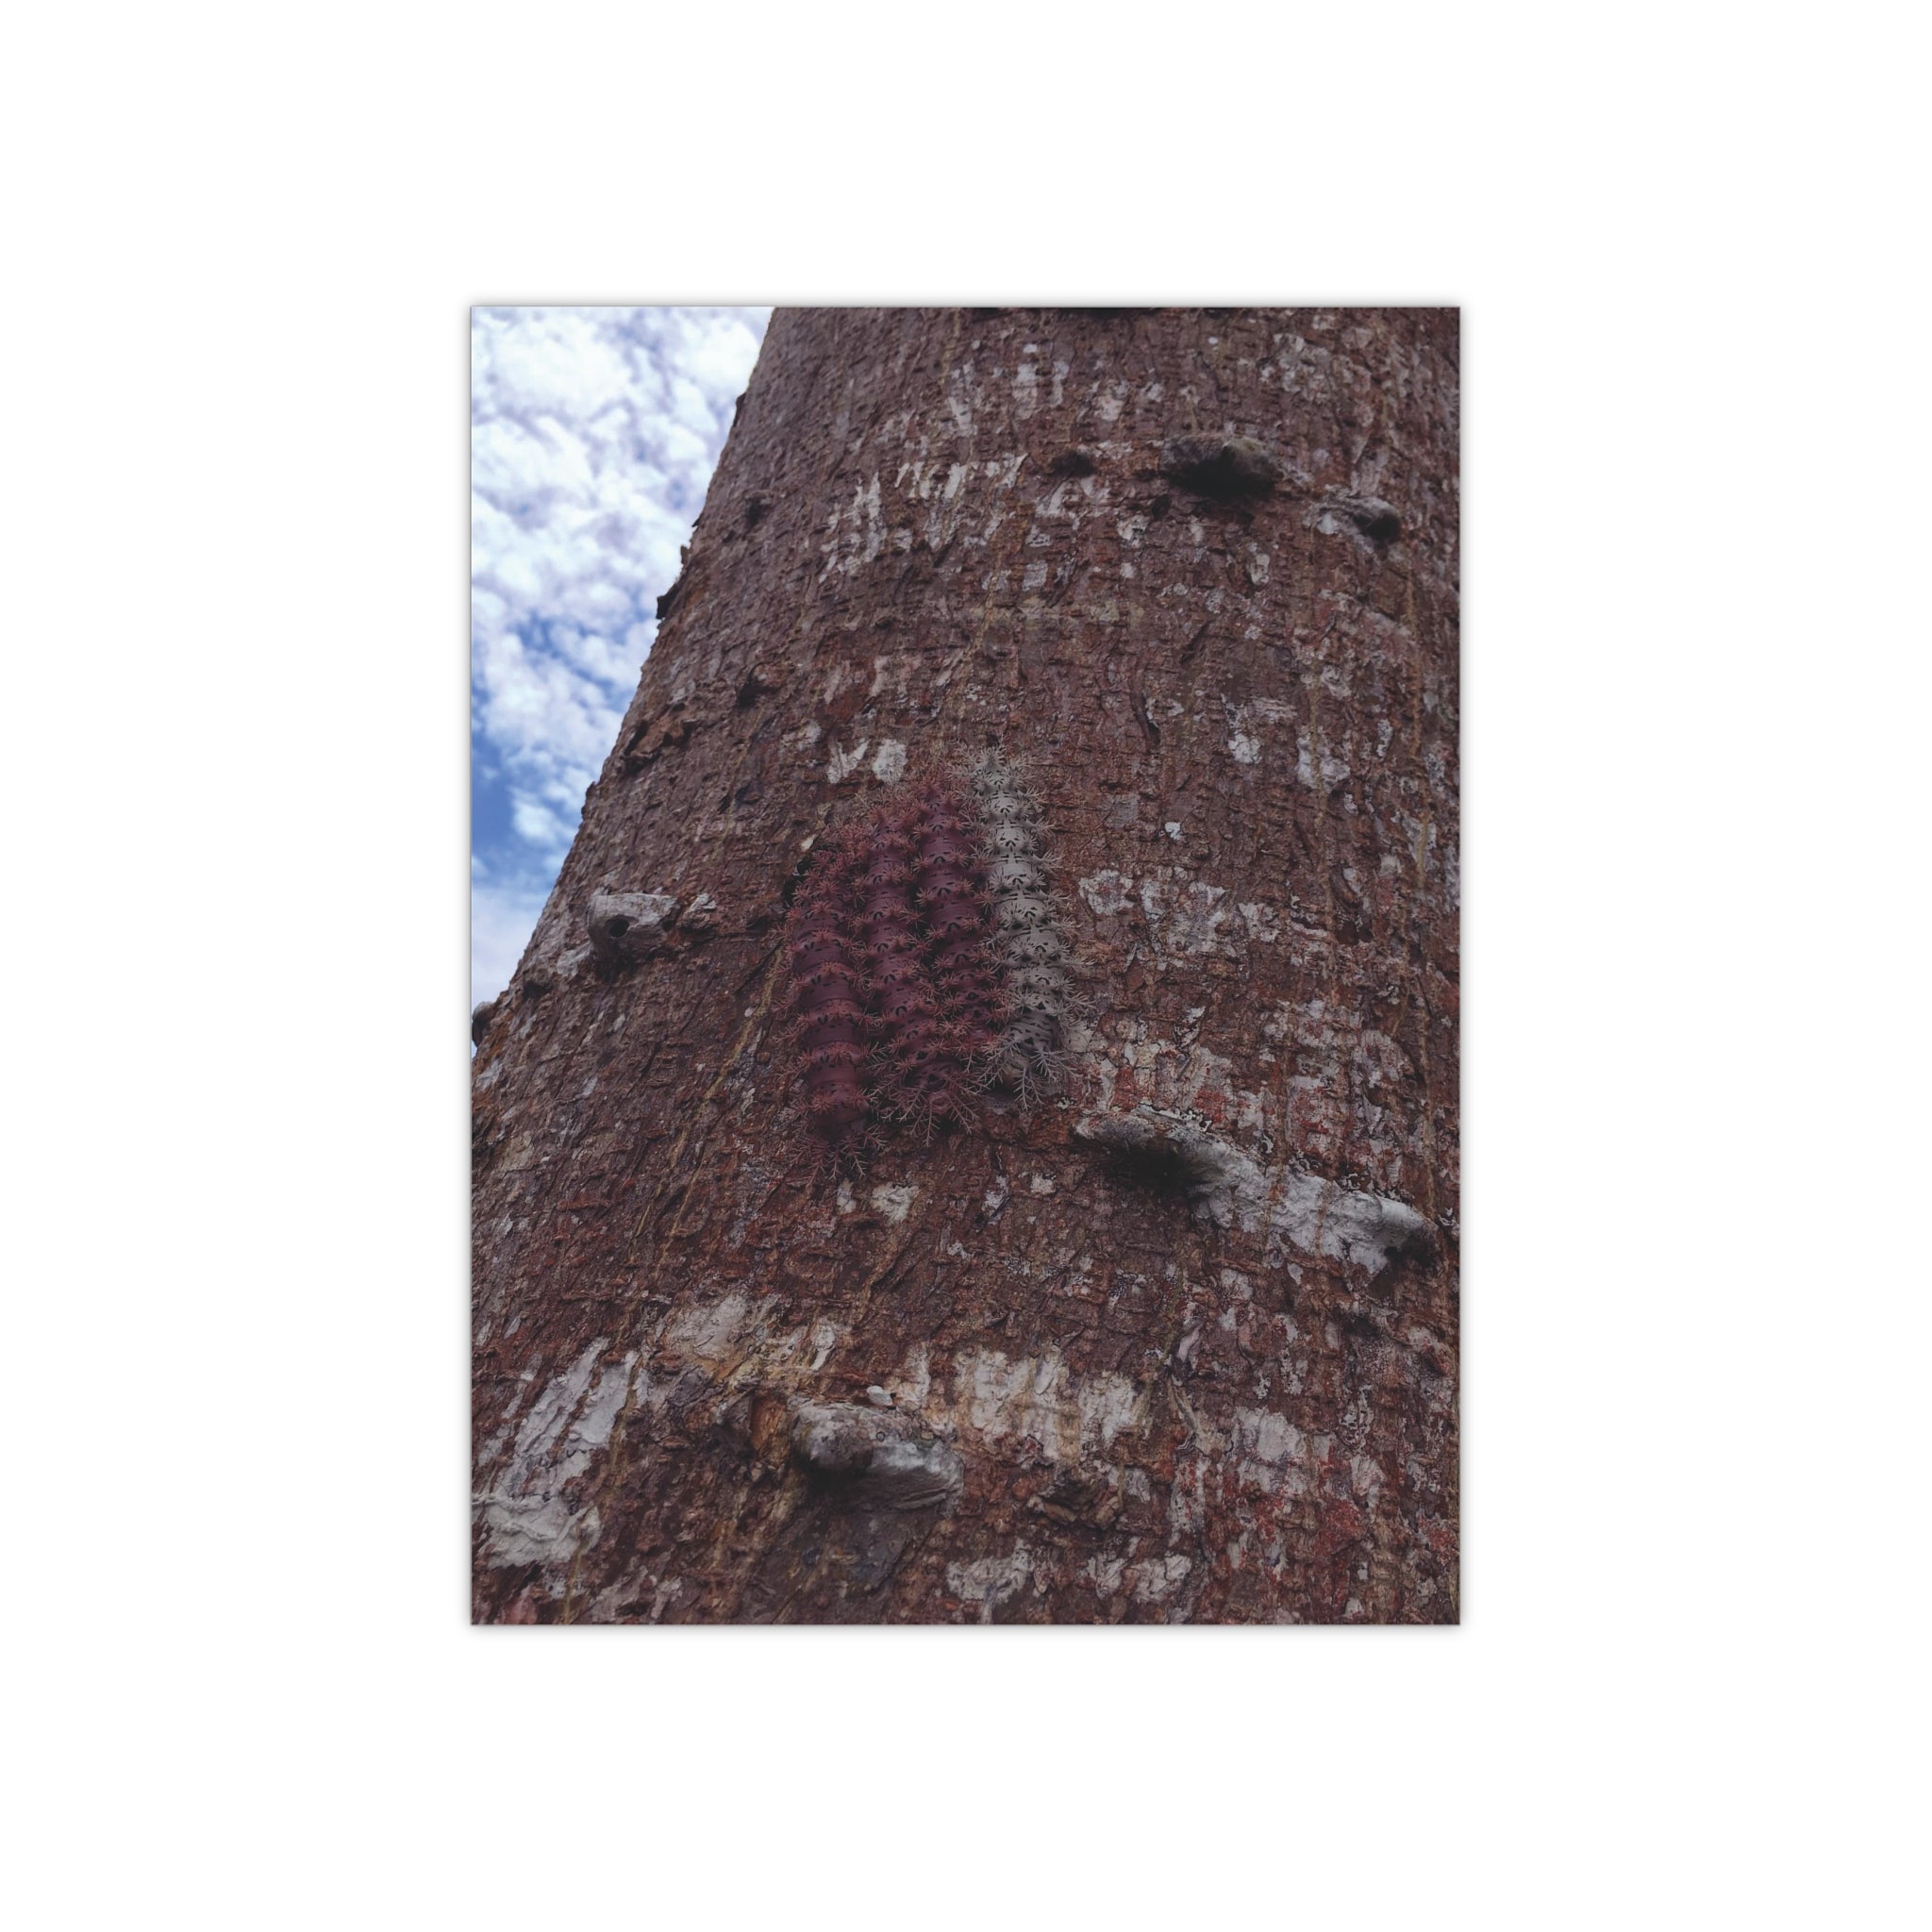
<point>1031,1055</point>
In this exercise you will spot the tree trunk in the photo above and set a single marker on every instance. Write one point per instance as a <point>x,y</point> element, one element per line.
<point>1178,1341</point>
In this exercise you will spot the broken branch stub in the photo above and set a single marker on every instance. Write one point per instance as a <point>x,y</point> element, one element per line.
<point>1228,1187</point>
<point>890,1461</point>
<point>625,927</point>
<point>1223,466</point>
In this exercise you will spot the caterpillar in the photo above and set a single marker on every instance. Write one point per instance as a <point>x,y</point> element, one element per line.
<point>1031,1053</point>
<point>951,892</point>
<point>921,1053</point>
<point>830,1028</point>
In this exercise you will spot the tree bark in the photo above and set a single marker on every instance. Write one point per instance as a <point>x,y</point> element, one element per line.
<point>1179,1342</point>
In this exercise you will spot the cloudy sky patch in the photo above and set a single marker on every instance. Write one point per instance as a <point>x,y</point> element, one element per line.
<point>593,433</point>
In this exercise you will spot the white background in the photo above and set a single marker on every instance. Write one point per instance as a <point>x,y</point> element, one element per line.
<point>1690,1686</point>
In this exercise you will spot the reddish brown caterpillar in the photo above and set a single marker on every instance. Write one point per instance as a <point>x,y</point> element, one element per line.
<point>950,889</point>
<point>922,1049</point>
<point>829,1025</point>
<point>1031,1054</point>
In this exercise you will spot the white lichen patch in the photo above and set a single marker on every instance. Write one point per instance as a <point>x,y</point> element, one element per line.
<point>1185,917</point>
<point>840,765</point>
<point>1040,1184</point>
<point>1248,725</point>
<point>1109,1405</point>
<point>914,1383</point>
<point>710,1332</point>
<point>1272,1454</point>
<point>1262,922</point>
<point>1196,918</point>
<point>889,761</point>
<point>856,534</point>
<point>989,1581</point>
<point>1105,1574</point>
<point>528,1517</point>
<point>1178,1077</point>
<point>1070,1418</point>
<point>895,1199</point>
<point>928,497</point>
<point>1335,767</point>
<point>825,1339</point>
<point>1107,893</point>
<point>1365,1477</point>
<point>1157,1579</point>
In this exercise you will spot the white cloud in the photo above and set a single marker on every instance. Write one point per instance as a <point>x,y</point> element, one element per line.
<point>593,436</point>
<point>501,918</point>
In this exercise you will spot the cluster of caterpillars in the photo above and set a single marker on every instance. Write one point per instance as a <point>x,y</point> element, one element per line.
<point>926,963</point>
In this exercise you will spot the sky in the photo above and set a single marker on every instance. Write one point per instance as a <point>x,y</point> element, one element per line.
<point>593,433</point>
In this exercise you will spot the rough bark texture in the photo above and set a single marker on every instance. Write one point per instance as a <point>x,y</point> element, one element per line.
<point>1178,1343</point>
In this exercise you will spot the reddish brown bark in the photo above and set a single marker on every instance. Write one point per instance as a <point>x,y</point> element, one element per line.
<point>1179,1342</point>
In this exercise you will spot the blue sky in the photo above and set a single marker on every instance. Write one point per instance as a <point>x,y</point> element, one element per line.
<point>593,433</point>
